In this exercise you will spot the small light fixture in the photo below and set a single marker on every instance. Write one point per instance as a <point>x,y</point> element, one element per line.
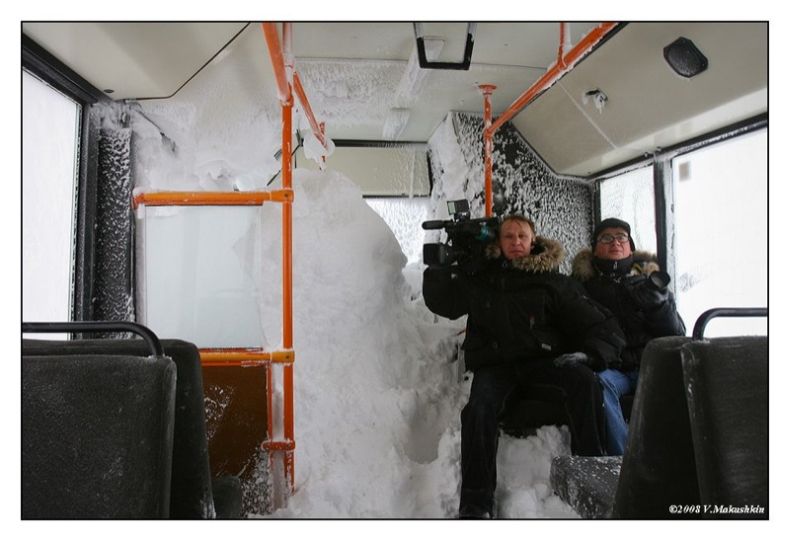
<point>684,57</point>
<point>108,91</point>
<point>598,98</point>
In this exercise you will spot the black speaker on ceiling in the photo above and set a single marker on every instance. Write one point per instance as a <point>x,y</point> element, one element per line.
<point>684,57</point>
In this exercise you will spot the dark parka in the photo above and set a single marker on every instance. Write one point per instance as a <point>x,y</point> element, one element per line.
<point>523,310</point>
<point>616,291</point>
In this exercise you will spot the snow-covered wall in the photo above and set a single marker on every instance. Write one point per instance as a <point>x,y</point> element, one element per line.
<point>113,274</point>
<point>523,184</point>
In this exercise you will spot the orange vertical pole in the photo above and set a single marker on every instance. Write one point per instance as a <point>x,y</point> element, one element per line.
<point>288,408</point>
<point>276,55</point>
<point>488,147</point>
<point>561,51</point>
<point>270,407</point>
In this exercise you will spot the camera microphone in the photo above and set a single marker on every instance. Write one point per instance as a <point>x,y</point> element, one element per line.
<point>434,224</point>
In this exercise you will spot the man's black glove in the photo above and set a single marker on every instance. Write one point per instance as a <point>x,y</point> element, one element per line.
<point>571,359</point>
<point>649,294</point>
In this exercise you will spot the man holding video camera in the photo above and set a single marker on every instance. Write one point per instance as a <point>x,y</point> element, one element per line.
<point>527,324</point>
<point>631,285</point>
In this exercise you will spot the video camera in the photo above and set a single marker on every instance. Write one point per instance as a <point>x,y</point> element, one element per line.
<point>466,238</point>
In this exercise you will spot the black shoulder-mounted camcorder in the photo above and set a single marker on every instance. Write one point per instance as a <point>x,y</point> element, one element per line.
<point>466,238</point>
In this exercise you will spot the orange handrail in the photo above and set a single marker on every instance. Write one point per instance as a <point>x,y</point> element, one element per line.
<point>287,175</point>
<point>286,101</point>
<point>488,143</point>
<point>561,49</point>
<point>287,445</point>
<point>308,111</point>
<point>180,199</point>
<point>563,64</point>
<point>281,65</point>
<point>243,357</point>
<point>278,63</point>
<point>554,73</point>
<point>288,381</point>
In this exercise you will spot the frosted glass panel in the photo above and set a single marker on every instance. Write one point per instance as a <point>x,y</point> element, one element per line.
<point>630,197</point>
<point>201,274</point>
<point>404,216</point>
<point>721,204</point>
<point>50,130</point>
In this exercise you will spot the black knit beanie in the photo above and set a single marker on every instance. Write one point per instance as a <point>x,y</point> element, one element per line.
<point>614,223</point>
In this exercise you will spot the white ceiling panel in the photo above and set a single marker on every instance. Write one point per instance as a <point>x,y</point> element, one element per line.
<point>362,78</point>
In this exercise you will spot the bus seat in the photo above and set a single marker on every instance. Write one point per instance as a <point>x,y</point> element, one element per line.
<point>658,467</point>
<point>727,390</point>
<point>97,436</point>
<point>587,484</point>
<point>192,491</point>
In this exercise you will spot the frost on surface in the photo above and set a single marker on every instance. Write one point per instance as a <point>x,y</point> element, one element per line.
<point>630,197</point>
<point>349,93</point>
<point>588,484</point>
<point>404,216</point>
<point>113,296</point>
<point>522,183</point>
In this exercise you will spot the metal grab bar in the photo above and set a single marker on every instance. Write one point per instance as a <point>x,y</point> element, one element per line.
<point>98,326</point>
<point>707,315</point>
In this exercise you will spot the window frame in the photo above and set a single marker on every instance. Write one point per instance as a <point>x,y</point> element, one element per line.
<point>43,65</point>
<point>663,183</point>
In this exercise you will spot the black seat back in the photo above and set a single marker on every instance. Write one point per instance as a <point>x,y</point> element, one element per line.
<point>658,468</point>
<point>191,488</point>
<point>726,382</point>
<point>96,436</point>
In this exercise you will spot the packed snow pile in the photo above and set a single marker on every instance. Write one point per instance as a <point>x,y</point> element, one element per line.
<point>378,393</point>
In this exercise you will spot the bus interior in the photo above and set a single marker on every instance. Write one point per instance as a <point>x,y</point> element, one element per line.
<point>208,186</point>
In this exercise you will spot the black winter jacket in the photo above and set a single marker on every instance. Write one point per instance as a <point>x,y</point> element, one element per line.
<point>618,292</point>
<point>523,310</point>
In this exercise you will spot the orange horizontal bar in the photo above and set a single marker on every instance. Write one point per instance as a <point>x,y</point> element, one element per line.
<point>180,199</point>
<point>554,73</point>
<point>235,364</point>
<point>299,89</point>
<point>243,356</point>
<point>288,445</point>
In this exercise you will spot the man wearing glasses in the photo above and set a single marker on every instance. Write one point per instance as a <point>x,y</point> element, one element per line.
<point>630,284</point>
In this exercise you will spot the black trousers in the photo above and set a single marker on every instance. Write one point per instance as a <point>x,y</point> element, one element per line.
<point>480,420</point>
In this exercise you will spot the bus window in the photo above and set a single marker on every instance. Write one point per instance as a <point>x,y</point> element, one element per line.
<point>630,197</point>
<point>50,130</point>
<point>721,231</point>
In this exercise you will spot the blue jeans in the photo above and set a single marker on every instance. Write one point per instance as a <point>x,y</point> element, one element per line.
<point>615,384</point>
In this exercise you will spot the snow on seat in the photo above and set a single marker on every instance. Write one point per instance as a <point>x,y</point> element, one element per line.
<point>97,436</point>
<point>193,493</point>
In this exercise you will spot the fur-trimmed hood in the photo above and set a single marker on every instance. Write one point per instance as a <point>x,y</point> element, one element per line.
<point>546,255</point>
<point>583,269</point>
